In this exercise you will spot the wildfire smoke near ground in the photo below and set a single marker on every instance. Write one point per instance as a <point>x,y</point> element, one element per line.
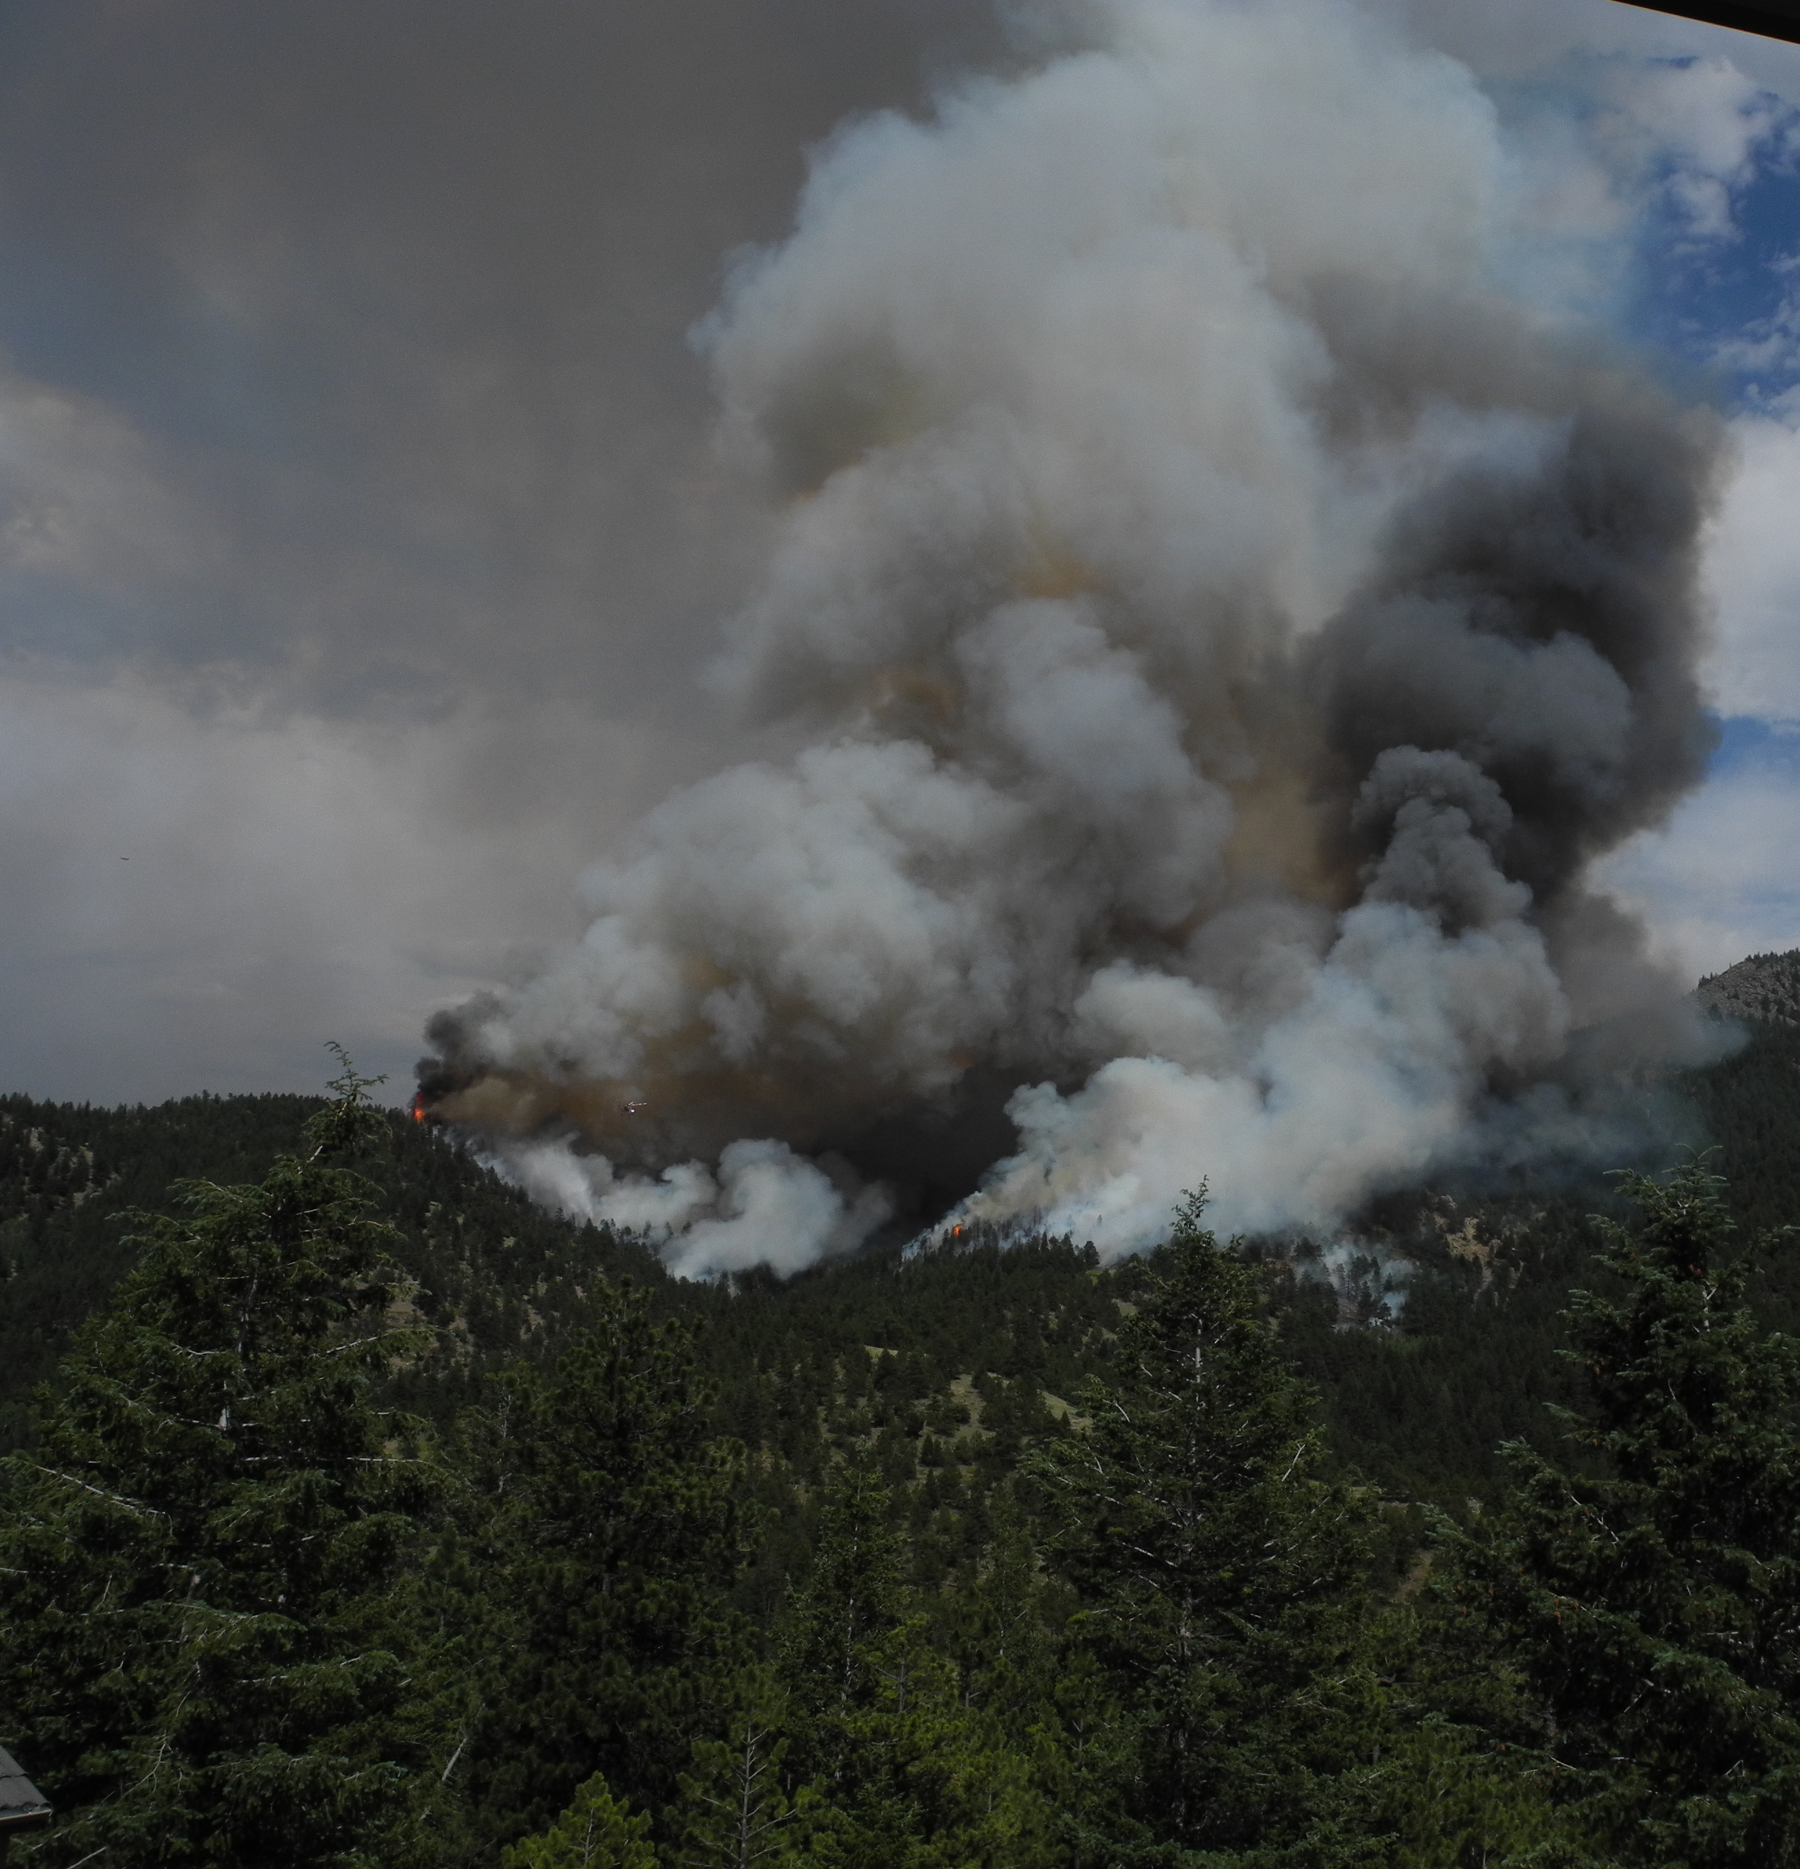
<point>1078,722</point>
<point>1224,589</point>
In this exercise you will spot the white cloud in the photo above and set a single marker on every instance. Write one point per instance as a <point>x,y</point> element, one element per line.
<point>1626,119</point>
<point>85,498</point>
<point>1523,38</point>
<point>1753,573</point>
<point>1721,880</point>
<point>199,895</point>
<point>1693,129</point>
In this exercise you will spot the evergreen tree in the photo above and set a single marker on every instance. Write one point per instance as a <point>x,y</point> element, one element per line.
<point>735,1810</point>
<point>1003,1624</point>
<point>1649,1590</point>
<point>928,1781</point>
<point>597,1831</point>
<point>613,1533</point>
<point>1463,1780</point>
<point>202,1648</point>
<point>1220,1578</point>
<point>1086,1759</point>
<point>910,1774</point>
<point>851,1598</point>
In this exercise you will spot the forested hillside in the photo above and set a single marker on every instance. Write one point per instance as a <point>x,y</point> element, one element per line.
<point>498,1274</point>
<point>929,1559</point>
<point>1420,1397</point>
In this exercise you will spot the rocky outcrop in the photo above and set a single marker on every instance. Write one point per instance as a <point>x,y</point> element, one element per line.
<point>1764,987</point>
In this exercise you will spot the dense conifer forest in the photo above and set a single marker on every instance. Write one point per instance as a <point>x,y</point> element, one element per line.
<point>359,1512</point>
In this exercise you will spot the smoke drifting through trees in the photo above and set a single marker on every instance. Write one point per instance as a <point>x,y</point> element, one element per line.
<point>1225,616</point>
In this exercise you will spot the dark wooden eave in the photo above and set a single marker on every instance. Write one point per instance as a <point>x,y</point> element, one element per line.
<point>1774,19</point>
<point>21,1802</point>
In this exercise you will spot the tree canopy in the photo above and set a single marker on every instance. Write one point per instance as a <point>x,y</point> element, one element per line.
<point>355,1529</point>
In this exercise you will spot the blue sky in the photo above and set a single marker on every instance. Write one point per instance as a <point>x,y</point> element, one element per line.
<point>1709,281</point>
<point>1694,296</point>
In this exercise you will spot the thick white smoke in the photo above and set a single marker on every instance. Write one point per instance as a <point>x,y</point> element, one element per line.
<point>1225,617</point>
<point>766,1206</point>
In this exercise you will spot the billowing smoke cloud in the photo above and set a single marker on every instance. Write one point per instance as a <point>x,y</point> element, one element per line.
<point>1220,616</point>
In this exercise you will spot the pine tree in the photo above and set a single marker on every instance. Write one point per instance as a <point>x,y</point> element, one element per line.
<point>1649,1591</point>
<point>1462,1781</point>
<point>736,1812</point>
<point>851,1598</point>
<point>1220,1579</point>
<point>614,1532</point>
<point>907,1773</point>
<point>1086,1760</point>
<point>202,1644</point>
<point>1003,1623</point>
<point>597,1831</point>
<point>929,1782</point>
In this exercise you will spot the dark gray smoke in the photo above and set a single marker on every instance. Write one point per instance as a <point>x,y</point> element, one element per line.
<point>1537,616</point>
<point>401,294</point>
<point>360,535</point>
<point>1226,616</point>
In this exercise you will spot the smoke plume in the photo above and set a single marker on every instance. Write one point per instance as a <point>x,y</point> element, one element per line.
<point>1217,615</point>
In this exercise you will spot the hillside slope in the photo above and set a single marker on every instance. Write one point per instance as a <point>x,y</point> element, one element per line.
<point>1763,988</point>
<point>496,1273</point>
<point>1419,1386</point>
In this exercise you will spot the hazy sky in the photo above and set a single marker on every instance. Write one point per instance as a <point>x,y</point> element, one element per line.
<point>362,539</point>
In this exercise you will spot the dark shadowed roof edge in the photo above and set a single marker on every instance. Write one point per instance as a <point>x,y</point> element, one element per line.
<point>1774,19</point>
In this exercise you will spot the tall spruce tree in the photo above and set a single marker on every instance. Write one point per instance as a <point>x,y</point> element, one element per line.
<point>202,1648</point>
<point>851,1599</point>
<point>1649,1589</point>
<point>613,1530</point>
<point>905,1771</point>
<point>1220,1578</point>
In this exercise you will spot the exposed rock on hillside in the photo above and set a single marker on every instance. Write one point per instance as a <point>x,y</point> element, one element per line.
<point>1764,986</point>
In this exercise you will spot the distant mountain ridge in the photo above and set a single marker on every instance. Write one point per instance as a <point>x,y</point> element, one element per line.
<point>1764,987</point>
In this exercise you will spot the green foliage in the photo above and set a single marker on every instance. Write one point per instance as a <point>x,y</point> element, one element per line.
<point>1220,1577</point>
<point>980,1558</point>
<point>200,1636</point>
<point>1450,1799</point>
<point>917,1773</point>
<point>1648,1589</point>
<point>597,1831</point>
<point>734,1811</point>
<point>852,1598</point>
<point>926,1781</point>
<point>610,1530</point>
<point>1749,1106</point>
<point>492,1274</point>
